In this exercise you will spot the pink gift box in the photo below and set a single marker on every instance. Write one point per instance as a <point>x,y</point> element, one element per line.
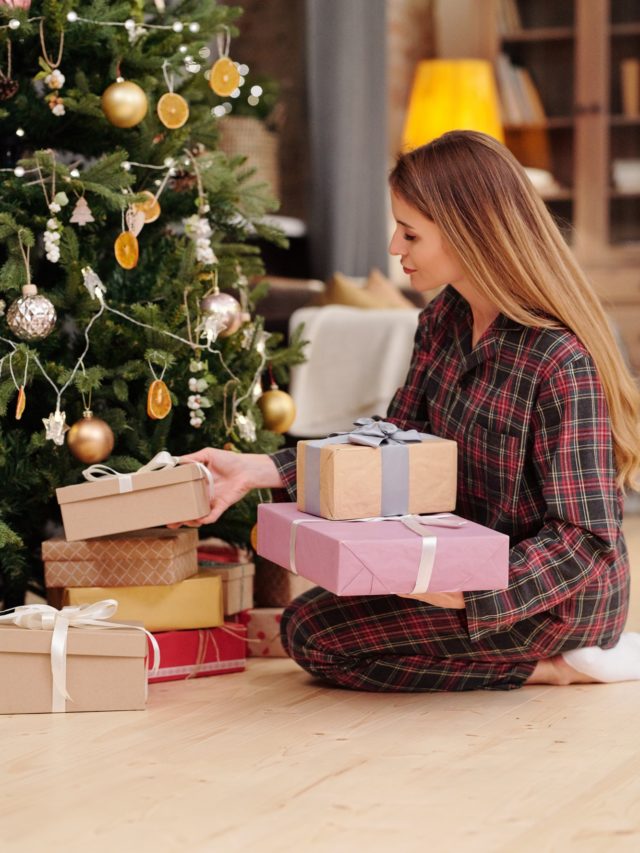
<point>382,557</point>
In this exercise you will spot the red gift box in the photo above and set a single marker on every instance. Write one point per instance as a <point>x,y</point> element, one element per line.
<point>208,651</point>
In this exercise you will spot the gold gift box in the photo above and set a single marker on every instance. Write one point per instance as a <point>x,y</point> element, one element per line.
<point>192,603</point>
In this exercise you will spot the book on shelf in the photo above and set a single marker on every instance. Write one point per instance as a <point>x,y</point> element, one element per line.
<point>509,20</point>
<point>521,103</point>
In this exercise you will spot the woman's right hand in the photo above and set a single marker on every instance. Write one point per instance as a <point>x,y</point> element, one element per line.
<point>234,474</point>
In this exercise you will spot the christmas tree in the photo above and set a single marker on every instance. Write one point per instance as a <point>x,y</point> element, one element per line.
<point>133,236</point>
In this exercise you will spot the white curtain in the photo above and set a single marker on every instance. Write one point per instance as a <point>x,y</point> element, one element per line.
<point>347,122</point>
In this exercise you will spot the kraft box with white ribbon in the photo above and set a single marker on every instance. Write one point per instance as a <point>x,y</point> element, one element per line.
<point>376,469</point>
<point>161,492</point>
<point>379,556</point>
<point>74,659</point>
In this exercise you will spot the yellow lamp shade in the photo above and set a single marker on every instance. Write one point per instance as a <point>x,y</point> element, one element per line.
<point>452,94</point>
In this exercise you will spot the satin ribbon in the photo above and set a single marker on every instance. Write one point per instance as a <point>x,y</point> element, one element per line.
<point>160,461</point>
<point>372,433</point>
<point>45,617</point>
<point>415,523</point>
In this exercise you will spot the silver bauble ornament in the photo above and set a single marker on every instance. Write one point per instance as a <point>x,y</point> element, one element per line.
<point>90,439</point>
<point>225,309</point>
<point>32,316</point>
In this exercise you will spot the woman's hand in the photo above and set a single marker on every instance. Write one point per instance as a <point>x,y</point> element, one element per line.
<point>234,474</point>
<point>451,600</point>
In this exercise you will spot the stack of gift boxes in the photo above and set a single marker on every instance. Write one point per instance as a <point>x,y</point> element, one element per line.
<point>373,518</point>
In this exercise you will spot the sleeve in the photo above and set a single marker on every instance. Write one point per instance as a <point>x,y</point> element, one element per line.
<point>285,462</point>
<point>573,457</point>
<point>408,408</point>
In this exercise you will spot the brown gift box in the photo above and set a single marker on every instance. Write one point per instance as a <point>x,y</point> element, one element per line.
<point>277,587</point>
<point>106,670</point>
<point>237,584</point>
<point>132,502</point>
<point>139,558</point>
<point>349,481</point>
<point>192,603</point>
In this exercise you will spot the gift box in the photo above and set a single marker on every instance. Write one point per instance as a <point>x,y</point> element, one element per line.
<point>275,586</point>
<point>192,603</point>
<point>124,502</point>
<point>237,584</point>
<point>105,668</point>
<point>376,470</point>
<point>442,553</point>
<point>263,632</point>
<point>139,558</point>
<point>209,651</point>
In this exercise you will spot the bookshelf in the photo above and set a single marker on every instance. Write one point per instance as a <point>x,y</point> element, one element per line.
<point>572,51</point>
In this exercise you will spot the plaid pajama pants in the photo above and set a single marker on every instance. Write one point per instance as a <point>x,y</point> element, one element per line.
<point>387,643</point>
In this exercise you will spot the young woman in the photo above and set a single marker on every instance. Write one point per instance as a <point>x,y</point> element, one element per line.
<point>514,360</point>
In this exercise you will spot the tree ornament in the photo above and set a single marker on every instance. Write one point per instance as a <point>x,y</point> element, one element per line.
<point>253,537</point>
<point>199,230</point>
<point>8,86</point>
<point>90,439</point>
<point>55,426</point>
<point>246,427</point>
<point>124,103</point>
<point>278,409</point>
<point>150,207</point>
<point>172,109</point>
<point>20,403</point>
<point>54,79</point>
<point>81,213</point>
<point>224,77</point>
<point>126,250</point>
<point>158,400</point>
<point>221,315</point>
<point>32,316</point>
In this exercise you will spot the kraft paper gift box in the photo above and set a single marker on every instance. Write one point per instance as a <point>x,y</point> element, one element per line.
<point>209,651</point>
<point>106,668</point>
<point>139,558</point>
<point>376,470</point>
<point>263,632</point>
<point>147,498</point>
<point>192,603</point>
<point>237,584</point>
<point>416,554</point>
<point>275,586</point>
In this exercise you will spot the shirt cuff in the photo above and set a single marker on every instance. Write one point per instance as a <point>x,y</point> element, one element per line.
<point>285,461</point>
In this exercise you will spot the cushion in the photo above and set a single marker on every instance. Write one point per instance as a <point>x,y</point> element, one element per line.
<point>377,292</point>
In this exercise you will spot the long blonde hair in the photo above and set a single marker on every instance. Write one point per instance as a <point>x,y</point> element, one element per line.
<point>509,247</point>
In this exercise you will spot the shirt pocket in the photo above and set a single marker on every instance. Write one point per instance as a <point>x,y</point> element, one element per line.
<point>492,467</point>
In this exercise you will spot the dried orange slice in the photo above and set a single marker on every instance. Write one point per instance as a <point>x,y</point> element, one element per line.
<point>20,403</point>
<point>158,400</point>
<point>150,206</point>
<point>173,110</point>
<point>225,77</point>
<point>126,250</point>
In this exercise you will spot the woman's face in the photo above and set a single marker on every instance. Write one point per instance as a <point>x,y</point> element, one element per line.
<point>426,257</point>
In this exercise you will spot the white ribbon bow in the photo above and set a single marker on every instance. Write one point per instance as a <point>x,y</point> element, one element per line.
<point>160,461</point>
<point>415,523</point>
<point>45,617</point>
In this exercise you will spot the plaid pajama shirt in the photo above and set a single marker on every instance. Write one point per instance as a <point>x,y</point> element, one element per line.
<point>535,461</point>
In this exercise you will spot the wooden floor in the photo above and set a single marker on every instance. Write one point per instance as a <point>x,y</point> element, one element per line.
<point>268,761</point>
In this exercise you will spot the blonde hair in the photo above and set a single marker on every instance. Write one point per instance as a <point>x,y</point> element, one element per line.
<point>511,250</point>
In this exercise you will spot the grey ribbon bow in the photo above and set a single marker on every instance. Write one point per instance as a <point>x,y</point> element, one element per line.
<point>372,433</point>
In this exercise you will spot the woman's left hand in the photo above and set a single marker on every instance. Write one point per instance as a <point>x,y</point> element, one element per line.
<point>451,600</point>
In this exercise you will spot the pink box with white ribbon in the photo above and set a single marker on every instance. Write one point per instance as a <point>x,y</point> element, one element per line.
<point>410,554</point>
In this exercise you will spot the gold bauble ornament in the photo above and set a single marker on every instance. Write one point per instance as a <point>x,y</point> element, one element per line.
<point>90,439</point>
<point>124,103</point>
<point>253,537</point>
<point>278,409</point>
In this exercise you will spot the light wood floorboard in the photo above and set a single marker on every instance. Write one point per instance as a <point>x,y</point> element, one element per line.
<point>267,760</point>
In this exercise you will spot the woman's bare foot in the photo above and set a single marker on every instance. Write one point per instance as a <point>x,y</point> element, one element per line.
<point>558,672</point>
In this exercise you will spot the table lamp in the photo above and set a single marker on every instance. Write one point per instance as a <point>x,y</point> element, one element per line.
<point>452,94</point>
